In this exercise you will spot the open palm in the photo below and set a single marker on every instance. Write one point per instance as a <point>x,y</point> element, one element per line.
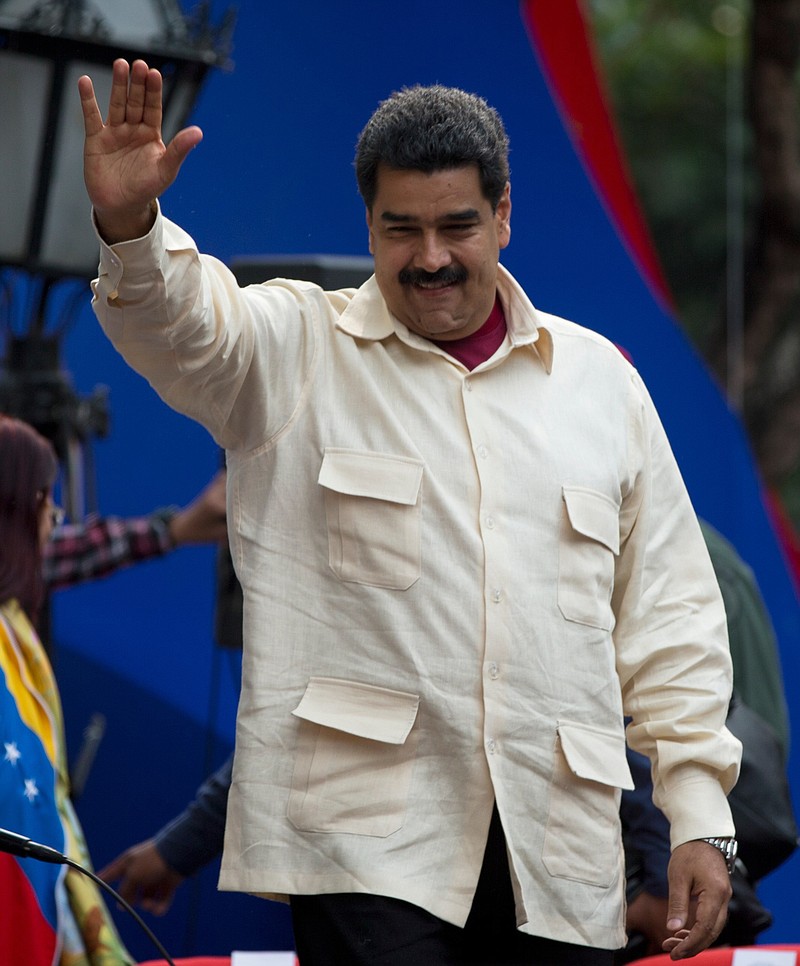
<point>126,163</point>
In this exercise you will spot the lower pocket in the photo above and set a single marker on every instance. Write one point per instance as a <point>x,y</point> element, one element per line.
<point>356,747</point>
<point>347,783</point>
<point>583,840</point>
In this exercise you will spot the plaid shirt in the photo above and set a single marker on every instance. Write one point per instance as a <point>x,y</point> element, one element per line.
<point>98,546</point>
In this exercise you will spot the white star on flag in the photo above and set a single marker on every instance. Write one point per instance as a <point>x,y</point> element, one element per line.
<point>13,754</point>
<point>31,791</point>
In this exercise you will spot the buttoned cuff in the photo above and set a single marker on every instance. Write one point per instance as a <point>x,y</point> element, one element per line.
<point>704,811</point>
<point>138,256</point>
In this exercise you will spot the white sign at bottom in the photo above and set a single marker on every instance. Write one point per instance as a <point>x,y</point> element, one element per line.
<point>263,959</point>
<point>764,957</point>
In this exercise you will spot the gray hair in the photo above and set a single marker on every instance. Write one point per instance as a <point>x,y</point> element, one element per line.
<point>433,129</point>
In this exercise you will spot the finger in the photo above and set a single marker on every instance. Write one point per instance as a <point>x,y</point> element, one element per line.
<point>134,106</point>
<point>153,99</point>
<point>117,103</point>
<point>128,890</point>
<point>700,937</point>
<point>92,118</point>
<point>113,870</point>
<point>157,906</point>
<point>669,944</point>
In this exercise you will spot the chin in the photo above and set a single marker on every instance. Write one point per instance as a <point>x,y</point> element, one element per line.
<point>436,330</point>
<point>446,334</point>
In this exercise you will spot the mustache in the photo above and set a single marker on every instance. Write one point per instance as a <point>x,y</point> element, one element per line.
<point>449,275</point>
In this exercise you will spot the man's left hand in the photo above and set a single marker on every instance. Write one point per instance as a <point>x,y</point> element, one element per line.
<point>699,890</point>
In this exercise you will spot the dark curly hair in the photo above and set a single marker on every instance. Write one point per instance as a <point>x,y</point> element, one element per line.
<point>433,129</point>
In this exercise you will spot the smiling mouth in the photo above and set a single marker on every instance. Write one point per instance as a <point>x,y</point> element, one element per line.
<point>434,286</point>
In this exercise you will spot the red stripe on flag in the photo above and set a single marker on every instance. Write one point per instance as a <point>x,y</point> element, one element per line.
<point>25,935</point>
<point>561,40</point>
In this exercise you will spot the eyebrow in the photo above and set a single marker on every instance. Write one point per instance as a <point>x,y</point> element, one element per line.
<point>469,214</point>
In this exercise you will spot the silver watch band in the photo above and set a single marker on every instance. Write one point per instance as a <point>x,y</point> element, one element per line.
<point>728,846</point>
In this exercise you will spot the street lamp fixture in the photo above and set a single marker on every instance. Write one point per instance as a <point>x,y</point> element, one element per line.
<point>48,250</point>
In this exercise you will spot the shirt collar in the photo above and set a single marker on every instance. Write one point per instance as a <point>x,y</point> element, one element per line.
<point>368,317</point>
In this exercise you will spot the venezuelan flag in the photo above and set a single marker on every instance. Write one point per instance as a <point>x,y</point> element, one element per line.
<point>32,893</point>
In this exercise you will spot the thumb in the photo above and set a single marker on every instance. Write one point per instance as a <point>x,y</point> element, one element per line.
<point>680,890</point>
<point>159,905</point>
<point>178,150</point>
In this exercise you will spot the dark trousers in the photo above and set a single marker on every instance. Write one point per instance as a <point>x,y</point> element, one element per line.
<point>355,929</point>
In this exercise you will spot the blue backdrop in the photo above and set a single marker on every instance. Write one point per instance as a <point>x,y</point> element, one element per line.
<point>274,176</point>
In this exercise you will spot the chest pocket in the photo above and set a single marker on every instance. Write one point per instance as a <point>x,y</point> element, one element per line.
<point>588,546</point>
<point>373,511</point>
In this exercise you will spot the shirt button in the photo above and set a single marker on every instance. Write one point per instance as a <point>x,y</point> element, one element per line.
<point>482,451</point>
<point>491,746</point>
<point>468,385</point>
<point>490,522</point>
<point>494,671</point>
<point>497,596</point>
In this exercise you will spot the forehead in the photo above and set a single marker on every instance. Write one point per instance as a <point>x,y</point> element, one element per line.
<point>411,193</point>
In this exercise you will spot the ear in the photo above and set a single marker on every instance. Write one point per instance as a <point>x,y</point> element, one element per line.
<point>371,234</point>
<point>503,216</point>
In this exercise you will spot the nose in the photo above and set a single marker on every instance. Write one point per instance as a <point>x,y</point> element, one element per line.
<point>432,252</point>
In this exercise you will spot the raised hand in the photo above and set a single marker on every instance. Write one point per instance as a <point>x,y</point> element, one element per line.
<point>126,163</point>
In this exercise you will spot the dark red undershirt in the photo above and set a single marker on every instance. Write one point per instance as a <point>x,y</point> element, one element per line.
<point>474,349</point>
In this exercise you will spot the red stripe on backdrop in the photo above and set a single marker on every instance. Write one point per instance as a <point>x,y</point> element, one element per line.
<point>561,40</point>
<point>25,935</point>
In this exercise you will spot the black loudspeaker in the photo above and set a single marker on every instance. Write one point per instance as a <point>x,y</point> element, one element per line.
<point>330,272</point>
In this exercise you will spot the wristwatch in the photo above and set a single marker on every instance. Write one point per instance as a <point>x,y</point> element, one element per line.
<point>729,847</point>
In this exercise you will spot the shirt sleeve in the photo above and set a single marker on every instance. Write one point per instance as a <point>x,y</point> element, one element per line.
<point>671,641</point>
<point>99,546</point>
<point>195,837</point>
<point>246,354</point>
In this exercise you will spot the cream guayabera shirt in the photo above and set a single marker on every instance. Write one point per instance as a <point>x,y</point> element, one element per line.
<point>456,583</point>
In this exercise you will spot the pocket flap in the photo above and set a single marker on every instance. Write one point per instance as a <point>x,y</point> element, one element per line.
<point>596,755</point>
<point>593,514</point>
<point>375,475</point>
<point>359,709</point>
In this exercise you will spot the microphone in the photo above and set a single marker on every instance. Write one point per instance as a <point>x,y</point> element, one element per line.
<point>15,844</point>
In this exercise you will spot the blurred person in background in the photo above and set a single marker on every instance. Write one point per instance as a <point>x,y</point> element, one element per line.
<point>48,913</point>
<point>98,546</point>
